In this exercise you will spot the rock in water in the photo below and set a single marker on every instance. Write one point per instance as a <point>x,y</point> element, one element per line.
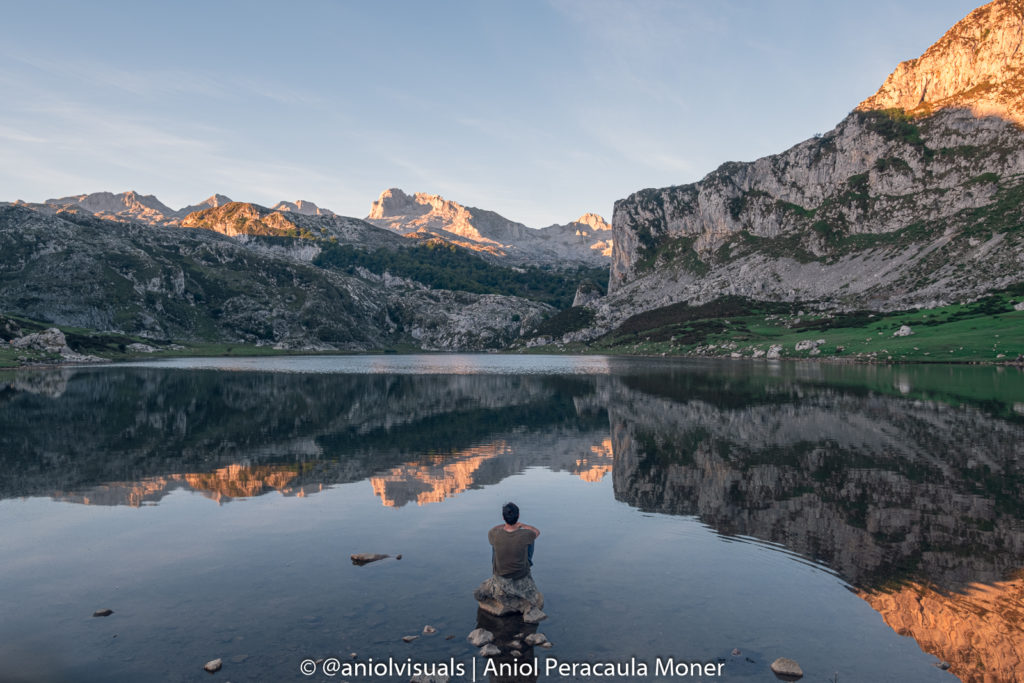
<point>213,666</point>
<point>479,636</point>
<point>787,668</point>
<point>500,596</point>
<point>534,616</point>
<point>428,630</point>
<point>360,559</point>
<point>536,639</point>
<point>409,639</point>
<point>103,613</point>
<point>490,650</point>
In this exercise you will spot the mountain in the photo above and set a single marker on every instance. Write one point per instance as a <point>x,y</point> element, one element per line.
<point>211,202</point>
<point>74,269</point>
<point>913,200</point>
<point>241,218</point>
<point>128,205</point>
<point>303,207</point>
<point>586,241</point>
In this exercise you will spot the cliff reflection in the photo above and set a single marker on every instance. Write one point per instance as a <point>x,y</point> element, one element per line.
<point>980,632</point>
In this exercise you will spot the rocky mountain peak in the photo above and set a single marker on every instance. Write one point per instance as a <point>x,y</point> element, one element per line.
<point>593,221</point>
<point>394,202</point>
<point>977,65</point>
<point>303,207</point>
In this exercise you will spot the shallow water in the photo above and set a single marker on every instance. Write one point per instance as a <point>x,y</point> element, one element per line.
<point>865,521</point>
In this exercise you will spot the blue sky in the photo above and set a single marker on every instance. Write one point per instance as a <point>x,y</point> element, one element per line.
<point>539,109</point>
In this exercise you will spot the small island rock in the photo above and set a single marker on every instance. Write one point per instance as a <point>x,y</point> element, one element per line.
<point>213,666</point>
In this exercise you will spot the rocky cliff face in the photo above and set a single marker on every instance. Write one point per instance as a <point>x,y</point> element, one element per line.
<point>167,283</point>
<point>975,66</point>
<point>885,211</point>
<point>584,241</point>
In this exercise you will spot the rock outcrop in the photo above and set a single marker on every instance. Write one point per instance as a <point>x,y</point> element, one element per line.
<point>884,211</point>
<point>586,240</point>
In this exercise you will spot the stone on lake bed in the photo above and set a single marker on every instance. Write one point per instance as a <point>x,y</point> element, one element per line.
<point>366,558</point>
<point>536,639</point>
<point>736,652</point>
<point>409,639</point>
<point>788,668</point>
<point>103,613</point>
<point>547,645</point>
<point>213,665</point>
<point>428,630</point>
<point>479,636</point>
<point>490,650</point>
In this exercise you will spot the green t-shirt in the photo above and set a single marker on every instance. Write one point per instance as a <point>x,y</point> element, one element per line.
<point>511,558</point>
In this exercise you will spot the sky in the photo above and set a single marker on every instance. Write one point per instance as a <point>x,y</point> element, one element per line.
<point>541,110</point>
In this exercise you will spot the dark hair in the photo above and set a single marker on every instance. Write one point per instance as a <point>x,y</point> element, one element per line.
<point>510,513</point>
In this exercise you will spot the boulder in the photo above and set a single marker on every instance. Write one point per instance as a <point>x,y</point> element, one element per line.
<point>479,636</point>
<point>1019,306</point>
<point>366,558</point>
<point>536,639</point>
<point>213,666</point>
<point>490,650</point>
<point>904,331</point>
<point>805,345</point>
<point>775,351</point>
<point>50,340</point>
<point>499,596</point>
<point>788,669</point>
<point>534,616</point>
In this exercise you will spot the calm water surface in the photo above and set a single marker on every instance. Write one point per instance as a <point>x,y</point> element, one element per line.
<point>865,521</point>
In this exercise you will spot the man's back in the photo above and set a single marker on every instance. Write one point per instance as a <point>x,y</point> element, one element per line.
<point>511,551</point>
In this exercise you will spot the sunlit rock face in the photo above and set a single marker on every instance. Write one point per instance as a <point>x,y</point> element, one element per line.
<point>977,65</point>
<point>979,631</point>
<point>881,212</point>
<point>586,240</point>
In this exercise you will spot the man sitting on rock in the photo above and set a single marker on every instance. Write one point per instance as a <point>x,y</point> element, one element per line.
<point>511,588</point>
<point>512,541</point>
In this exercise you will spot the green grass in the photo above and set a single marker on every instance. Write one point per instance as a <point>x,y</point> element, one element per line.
<point>977,332</point>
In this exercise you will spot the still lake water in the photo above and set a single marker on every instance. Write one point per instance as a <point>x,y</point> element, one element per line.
<point>866,521</point>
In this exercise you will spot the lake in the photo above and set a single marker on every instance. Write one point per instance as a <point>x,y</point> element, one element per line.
<point>865,521</point>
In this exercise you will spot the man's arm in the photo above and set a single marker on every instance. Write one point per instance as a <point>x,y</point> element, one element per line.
<point>535,530</point>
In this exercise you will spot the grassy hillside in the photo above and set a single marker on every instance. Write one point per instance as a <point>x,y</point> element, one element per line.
<point>986,330</point>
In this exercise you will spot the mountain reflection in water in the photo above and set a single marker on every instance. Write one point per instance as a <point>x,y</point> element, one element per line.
<point>914,496</point>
